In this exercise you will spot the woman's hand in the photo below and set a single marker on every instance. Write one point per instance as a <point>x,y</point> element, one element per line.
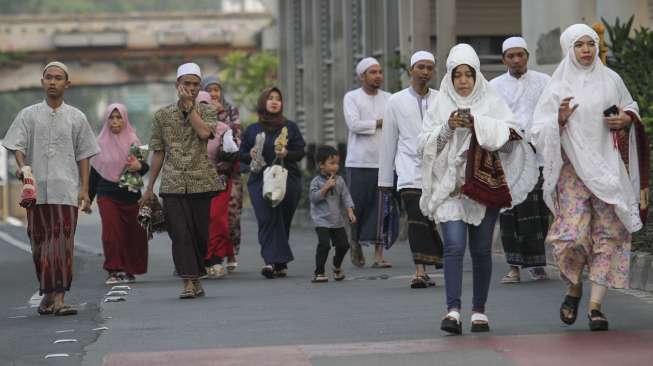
<point>133,165</point>
<point>281,153</point>
<point>456,121</point>
<point>565,111</point>
<point>619,121</point>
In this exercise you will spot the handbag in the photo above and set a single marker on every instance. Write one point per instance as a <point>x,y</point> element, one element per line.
<point>274,183</point>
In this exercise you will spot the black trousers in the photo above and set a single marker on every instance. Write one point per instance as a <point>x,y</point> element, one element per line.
<point>325,238</point>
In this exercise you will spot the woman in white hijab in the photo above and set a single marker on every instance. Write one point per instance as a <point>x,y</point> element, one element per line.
<point>465,195</point>
<point>591,171</point>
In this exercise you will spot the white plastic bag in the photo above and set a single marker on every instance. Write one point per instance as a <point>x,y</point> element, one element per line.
<point>274,184</point>
<point>228,143</point>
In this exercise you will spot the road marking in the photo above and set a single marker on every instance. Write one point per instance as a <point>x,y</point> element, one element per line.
<point>67,340</point>
<point>100,328</point>
<point>15,242</point>
<point>117,293</point>
<point>114,299</point>
<point>55,355</point>
<point>17,317</point>
<point>647,297</point>
<point>65,331</point>
<point>35,300</point>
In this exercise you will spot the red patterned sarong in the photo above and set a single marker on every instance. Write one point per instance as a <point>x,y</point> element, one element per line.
<point>51,229</point>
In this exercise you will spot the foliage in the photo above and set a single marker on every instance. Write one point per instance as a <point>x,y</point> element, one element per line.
<point>245,75</point>
<point>631,57</point>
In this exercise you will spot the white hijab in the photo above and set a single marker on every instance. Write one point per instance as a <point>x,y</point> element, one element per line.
<point>443,172</point>
<point>586,140</point>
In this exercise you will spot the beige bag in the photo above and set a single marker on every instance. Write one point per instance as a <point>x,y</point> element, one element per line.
<point>274,184</point>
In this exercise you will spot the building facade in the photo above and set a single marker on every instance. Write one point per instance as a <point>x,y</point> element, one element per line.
<point>320,42</point>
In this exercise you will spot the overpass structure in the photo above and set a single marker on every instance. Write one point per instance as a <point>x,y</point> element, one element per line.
<point>104,49</point>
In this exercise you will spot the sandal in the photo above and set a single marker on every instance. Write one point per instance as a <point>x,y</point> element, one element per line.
<point>280,273</point>
<point>231,266</point>
<point>47,310</point>
<point>597,321</point>
<point>65,310</point>
<point>452,324</point>
<point>511,277</point>
<point>199,290</point>
<point>570,305</point>
<point>267,272</point>
<point>382,264</point>
<point>187,293</point>
<point>418,282</point>
<point>428,280</point>
<point>480,323</point>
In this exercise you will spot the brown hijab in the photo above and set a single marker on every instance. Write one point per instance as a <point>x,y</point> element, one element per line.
<point>267,119</point>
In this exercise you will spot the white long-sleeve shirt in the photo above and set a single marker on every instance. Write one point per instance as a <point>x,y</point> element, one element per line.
<point>402,125</point>
<point>361,113</point>
<point>522,96</point>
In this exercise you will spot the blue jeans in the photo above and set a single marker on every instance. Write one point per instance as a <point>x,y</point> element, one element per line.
<point>454,236</point>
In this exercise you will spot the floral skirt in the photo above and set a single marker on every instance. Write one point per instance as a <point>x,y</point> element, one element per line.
<point>587,232</point>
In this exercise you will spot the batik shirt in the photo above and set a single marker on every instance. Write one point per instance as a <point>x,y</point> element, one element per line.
<point>186,168</point>
<point>53,141</point>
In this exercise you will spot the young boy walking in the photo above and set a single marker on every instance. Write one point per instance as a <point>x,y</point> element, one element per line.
<point>329,200</point>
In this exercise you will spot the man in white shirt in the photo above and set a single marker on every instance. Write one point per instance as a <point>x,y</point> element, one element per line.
<point>402,124</point>
<point>363,110</point>
<point>524,228</point>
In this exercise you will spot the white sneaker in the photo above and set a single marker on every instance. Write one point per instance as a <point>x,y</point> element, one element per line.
<point>218,271</point>
<point>231,266</point>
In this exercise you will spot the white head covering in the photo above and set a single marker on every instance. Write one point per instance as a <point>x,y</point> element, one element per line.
<point>493,119</point>
<point>421,56</point>
<point>586,139</point>
<point>190,68</point>
<point>58,64</point>
<point>365,64</point>
<point>514,42</point>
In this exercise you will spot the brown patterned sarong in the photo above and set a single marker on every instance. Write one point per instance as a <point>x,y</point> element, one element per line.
<point>51,229</point>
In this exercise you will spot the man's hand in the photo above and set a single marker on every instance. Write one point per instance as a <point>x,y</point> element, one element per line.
<point>84,202</point>
<point>619,121</point>
<point>379,123</point>
<point>186,98</point>
<point>565,111</point>
<point>147,195</point>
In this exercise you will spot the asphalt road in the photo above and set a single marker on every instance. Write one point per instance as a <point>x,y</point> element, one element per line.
<point>372,318</point>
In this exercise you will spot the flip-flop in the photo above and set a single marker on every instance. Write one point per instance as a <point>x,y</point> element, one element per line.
<point>382,264</point>
<point>65,310</point>
<point>45,310</point>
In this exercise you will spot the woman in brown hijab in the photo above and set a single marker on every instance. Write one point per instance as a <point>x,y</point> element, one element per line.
<point>273,222</point>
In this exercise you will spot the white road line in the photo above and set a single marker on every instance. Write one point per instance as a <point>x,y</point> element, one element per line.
<point>15,242</point>
<point>35,300</point>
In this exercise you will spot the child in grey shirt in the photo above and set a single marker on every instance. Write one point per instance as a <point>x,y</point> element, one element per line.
<point>330,199</point>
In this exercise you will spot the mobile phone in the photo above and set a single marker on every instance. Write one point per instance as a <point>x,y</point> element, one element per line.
<point>464,113</point>
<point>613,110</point>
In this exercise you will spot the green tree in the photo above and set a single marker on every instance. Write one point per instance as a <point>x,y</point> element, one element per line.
<point>245,75</point>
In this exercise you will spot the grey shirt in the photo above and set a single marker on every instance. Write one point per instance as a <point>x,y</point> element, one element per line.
<point>53,141</point>
<point>328,211</point>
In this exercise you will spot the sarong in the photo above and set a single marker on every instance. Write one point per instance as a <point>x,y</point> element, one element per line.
<point>51,230</point>
<point>363,187</point>
<point>424,240</point>
<point>219,244</point>
<point>123,239</point>
<point>523,230</point>
<point>235,207</point>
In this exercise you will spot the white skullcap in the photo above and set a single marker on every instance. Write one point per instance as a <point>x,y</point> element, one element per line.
<point>189,69</point>
<point>421,56</point>
<point>365,64</point>
<point>58,64</point>
<point>514,42</point>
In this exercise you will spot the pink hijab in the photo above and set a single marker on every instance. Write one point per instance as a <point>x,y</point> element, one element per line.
<point>114,148</point>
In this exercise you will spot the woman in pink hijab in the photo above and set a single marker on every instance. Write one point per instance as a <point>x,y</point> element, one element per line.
<point>123,239</point>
